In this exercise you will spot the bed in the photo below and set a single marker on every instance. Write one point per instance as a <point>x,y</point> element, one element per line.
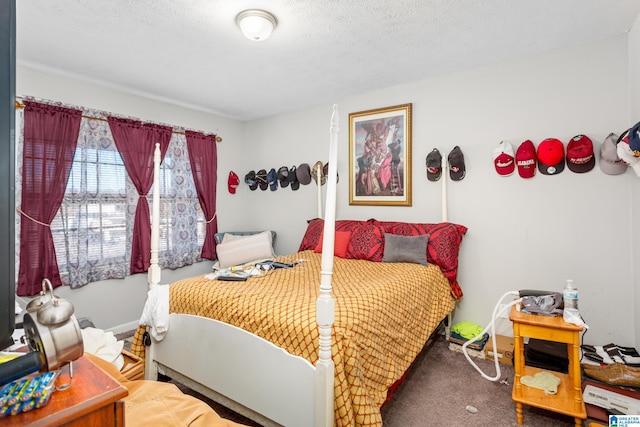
<point>282,350</point>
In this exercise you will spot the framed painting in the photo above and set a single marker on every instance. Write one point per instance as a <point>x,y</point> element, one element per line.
<point>380,156</point>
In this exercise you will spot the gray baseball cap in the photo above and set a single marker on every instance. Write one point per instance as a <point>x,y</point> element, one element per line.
<point>610,163</point>
<point>303,173</point>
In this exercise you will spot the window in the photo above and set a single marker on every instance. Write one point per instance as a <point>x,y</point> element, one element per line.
<point>92,231</point>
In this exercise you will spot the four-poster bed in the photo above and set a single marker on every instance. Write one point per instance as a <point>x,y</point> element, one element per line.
<point>301,357</point>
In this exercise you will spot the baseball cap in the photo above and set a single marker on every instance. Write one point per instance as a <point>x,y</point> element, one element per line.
<point>580,156</point>
<point>457,168</point>
<point>283,176</point>
<point>232,182</point>
<point>634,139</point>
<point>626,154</point>
<point>261,178</point>
<point>551,156</point>
<point>250,180</point>
<point>325,172</point>
<point>303,173</point>
<point>293,178</point>
<point>434,165</point>
<point>610,163</point>
<point>526,159</point>
<point>271,179</point>
<point>504,159</point>
<point>317,173</point>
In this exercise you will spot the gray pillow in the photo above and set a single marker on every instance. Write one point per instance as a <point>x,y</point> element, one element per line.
<point>405,248</point>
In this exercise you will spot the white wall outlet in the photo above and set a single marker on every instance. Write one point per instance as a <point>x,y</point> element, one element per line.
<point>503,311</point>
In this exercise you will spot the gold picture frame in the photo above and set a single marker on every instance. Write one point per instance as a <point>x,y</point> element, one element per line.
<point>380,156</point>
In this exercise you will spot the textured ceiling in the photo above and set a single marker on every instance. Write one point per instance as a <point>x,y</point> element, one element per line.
<point>191,53</point>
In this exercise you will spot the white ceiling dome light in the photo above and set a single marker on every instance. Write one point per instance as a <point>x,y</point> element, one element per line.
<point>256,24</point>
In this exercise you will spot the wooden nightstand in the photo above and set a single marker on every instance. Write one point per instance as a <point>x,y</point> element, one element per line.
<point>92,400</point>
<point>569,399</point>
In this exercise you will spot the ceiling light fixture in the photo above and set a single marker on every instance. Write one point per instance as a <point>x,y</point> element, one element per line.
<point>256,24</point>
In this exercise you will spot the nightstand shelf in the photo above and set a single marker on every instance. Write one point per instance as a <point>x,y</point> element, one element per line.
<point>568,400</point>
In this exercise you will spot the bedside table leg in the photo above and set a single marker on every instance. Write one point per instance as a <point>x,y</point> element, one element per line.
<point>519,416</point>
<point>579,422</point>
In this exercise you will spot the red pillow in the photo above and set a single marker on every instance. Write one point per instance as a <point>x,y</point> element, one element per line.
<point>312,234</point>
<point>316,226</point>
<point>340,243</point>
<point>367,242</point>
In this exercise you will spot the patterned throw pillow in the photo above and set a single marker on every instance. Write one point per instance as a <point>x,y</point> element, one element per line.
<point>367,242</point>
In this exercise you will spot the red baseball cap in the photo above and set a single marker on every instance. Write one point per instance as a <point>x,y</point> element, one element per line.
<point>526,159</point>
<point>551,156</point>
<point>580,155</point>
<point>233,182</point>
<point>504,159</point>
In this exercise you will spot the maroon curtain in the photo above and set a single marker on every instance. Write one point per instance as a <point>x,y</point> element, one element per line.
<point>50,139</point>
<point>136,142</point>
<point>203,156</point>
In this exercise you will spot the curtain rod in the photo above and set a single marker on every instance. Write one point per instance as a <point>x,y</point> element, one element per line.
<point>19,104</point>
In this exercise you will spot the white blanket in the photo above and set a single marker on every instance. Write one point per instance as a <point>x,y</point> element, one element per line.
<point>156,311</point>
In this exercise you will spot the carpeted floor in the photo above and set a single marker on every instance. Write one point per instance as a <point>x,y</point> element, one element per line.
<point>438,388</point>
<point>442,384</point>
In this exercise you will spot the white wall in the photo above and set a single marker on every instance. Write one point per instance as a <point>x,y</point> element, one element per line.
<point>523,234</point>
<point>117,304</point>
<point>634,101</point>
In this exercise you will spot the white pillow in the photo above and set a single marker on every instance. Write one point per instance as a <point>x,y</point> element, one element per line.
<point>241,250</point>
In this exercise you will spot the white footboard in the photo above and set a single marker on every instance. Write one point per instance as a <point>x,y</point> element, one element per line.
<point>237,369</point>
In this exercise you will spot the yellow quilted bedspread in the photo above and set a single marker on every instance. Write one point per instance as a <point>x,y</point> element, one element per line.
<point>384,313</point>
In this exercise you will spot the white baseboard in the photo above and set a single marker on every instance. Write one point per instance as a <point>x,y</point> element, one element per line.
<point>126,327</point>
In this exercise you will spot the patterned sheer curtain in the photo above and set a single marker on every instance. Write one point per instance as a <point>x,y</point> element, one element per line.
<point>93,229</point>
<point>181,242</point>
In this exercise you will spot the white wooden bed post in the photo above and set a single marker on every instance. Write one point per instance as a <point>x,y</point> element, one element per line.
<point>325,304</point>
<point>153,276</point>
<point>318,171</point>
<point>445,218</point>
<point>230,390</point>
<point>445,213</point>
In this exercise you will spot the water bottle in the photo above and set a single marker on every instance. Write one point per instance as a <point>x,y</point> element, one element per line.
<point>570,299</point>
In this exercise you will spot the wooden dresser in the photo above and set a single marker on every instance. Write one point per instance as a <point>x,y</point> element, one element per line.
<point>94,399</point>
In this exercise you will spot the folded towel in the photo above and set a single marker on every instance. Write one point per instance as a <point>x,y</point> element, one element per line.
<point>156,311</point>
<point>543,380</point>
<point>467,330</point>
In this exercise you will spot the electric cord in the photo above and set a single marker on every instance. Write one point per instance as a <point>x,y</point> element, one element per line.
<point>491,326</point>
<point>584,332</point>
